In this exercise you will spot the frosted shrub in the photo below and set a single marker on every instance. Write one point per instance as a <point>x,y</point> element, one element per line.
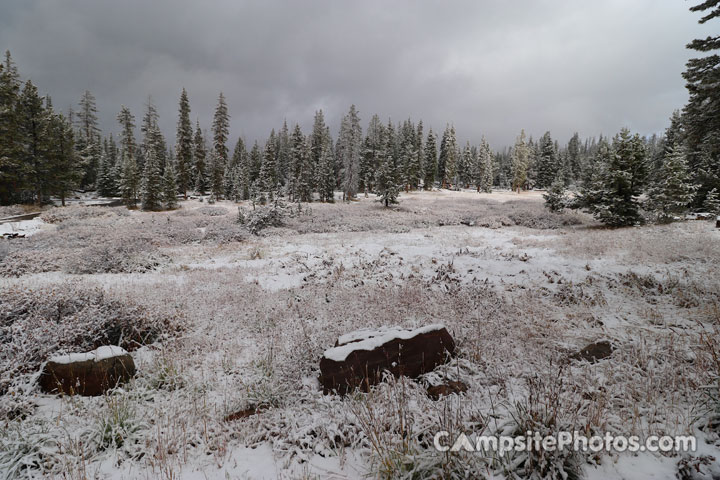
<point>546,411</point>
<point>116,256</point>
<point>263,217</point>
<point>212,211</point>
<point>80,212</point>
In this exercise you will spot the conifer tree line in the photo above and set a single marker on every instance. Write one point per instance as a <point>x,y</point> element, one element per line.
<point>621,180</point>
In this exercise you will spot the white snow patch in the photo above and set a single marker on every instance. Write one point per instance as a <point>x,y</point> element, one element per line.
<point>99,354</point>
<point>372,339</point>
<point>24,227</point>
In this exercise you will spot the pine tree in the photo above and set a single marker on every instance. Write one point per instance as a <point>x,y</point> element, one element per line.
<point>547,167</point>
<point>326,171</point>
<point>430,162</point>
<point>465,164</point>
<point>555,197</point>
<point>486,160</point>
<point>283,154</point>
<point>672,191</point>
<point>216,170</point>
<point>221,130</point>
<point>447,163</point>
<point>63,167</point>
<point>200,158</point>
<point>476,168</point>
<point>373,147</point>
<point>410,161</point>
<point>573,157</point>
<point>700,115</point>
<point>255,163</point>
<point>317,143</point>
<point>519,159</point>
<point>33,119</point>
<point>386,178</point>
<point>106,183</point>
<point>268,170</point>
<point>305,180</point>
<point>712,202</point>
<point>153,138</point>
<point>297,161</point>
<point>184,145</point>
<point>151,187</point>
<point>127,135</point>
<point>10,144</point>
<point>154,151</point>
<point>129,172</point>
<point>239,187</point>
<point>348,150</point>
<point>169,186</point>
<point>129,183</point>
<point>612,191</point>
<point>89,147</point>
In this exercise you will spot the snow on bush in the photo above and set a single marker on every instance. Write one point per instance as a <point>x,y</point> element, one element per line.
<point>81,212</point>
<point>273,215</point>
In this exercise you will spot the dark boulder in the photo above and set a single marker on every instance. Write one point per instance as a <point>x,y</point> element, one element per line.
<point>594,352</point>
<point>360,358</point>
<point>87,374</point>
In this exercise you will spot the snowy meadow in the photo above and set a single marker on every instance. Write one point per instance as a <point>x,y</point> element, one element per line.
<point>227,329</point>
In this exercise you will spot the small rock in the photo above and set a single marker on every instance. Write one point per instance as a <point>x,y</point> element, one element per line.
<point>88,374</point>
<point>437,391</point>
<point>594,352</point>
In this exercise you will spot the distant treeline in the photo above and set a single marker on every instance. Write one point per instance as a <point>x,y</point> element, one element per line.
<point>44,154</point>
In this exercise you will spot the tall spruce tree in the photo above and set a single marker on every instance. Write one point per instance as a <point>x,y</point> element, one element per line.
<point>169,186</point>
<point>430,161</point>
<point>447,162</point>
<point>486,160</point>
<point>519,159</point>
<point>154,152</point>
<point>221,130</point>
<point>129,171</point>
<point>326,170</point>
<point>268,171</point>
<point>349,149</point>
<point>712,202</point>
<point>671,193</point>
<point>184,145</point>
<point>373,147</point>
<point>107,179</point>
<point>32,122</point>
<point>63,167</point>
<point>612,191</point>
<point>387,187</point>
<point>283,154</point>
<point>89,145</point>
<point>200,161</point>
<point>700,115</point>
<point>297,161</point>
<point>547,166</point>
<point>573,157</point>
<point>239,188</point>
<point>10,139</point>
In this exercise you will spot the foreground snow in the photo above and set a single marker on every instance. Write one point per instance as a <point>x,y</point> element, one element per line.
<point>260,313</point>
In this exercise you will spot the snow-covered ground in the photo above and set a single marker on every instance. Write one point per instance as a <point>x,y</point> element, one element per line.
<point>519,289</point>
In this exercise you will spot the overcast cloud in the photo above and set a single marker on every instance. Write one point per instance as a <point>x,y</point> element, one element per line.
<point>492,68</point>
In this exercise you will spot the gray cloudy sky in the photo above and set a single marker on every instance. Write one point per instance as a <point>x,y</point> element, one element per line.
<point>490,67</point>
